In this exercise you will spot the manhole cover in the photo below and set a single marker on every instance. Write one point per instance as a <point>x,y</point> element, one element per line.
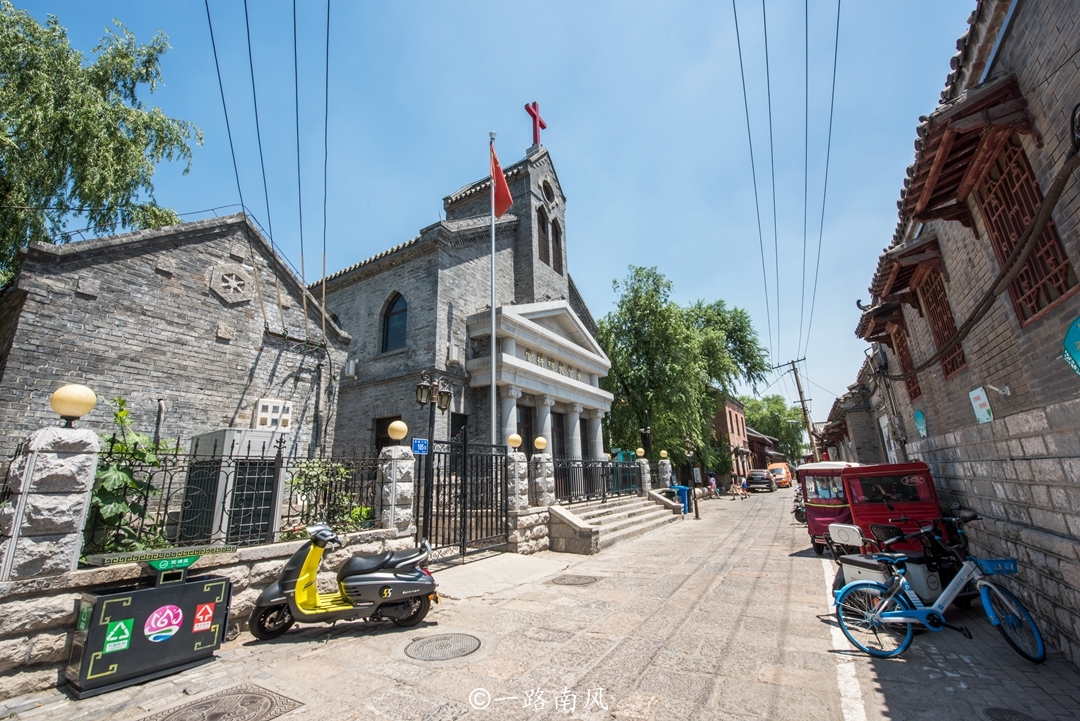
<point>443,647</point>
<point>246,702</point>
<point>568,580</point>
<point>1005,714</point>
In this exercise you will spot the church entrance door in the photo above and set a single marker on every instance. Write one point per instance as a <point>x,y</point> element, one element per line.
<point>463,505</point>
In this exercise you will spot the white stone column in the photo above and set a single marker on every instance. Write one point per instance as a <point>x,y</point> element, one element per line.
<point>646,474</point>
<point>50,496</point>
<point>396,488</point>
<point>596,434</point>
<point>508,346</point>
<point>573,430</point>
<point>543,419</point>
<point>542,473</point>
<point>508,407</point>
<point>664,473</point>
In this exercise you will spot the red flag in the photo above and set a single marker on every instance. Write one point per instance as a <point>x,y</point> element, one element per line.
<point>502,191</point>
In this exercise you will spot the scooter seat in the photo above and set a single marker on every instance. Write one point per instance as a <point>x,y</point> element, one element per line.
<point>364,563</point>
<point>403,558</point>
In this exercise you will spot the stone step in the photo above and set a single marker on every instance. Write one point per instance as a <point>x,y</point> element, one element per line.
<point>610,539</point>
<point>622,514</point>
<point>601,508</point>
<point>644,518</point>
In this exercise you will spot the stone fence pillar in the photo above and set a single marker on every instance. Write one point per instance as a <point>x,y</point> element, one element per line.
<point>396,488</point>
<point>646,474</point>
<point>664,471</point>
<point>51,486</point>
<point>517,481</point>
<point>528,524</point>
<point>542,473</point>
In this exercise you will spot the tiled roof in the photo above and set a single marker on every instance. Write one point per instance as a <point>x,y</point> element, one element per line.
<point>372,259</point>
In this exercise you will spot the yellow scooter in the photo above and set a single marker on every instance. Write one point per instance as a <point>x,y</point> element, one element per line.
<point>388,586</point>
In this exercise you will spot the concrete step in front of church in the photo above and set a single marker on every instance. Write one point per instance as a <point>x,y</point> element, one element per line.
<point>624,517</point>
<point>600,516</point>
<point>646,516</point>
<point>609,538</point>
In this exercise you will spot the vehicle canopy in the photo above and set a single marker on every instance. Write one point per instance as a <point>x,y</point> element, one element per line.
<point>886,491</point>
<point>824,496</point>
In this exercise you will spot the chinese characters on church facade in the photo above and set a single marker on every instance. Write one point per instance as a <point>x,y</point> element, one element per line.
<point>553,365</point>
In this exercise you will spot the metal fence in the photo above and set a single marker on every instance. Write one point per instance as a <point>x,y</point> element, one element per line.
<point>464,505</point>
<point>188,499</point>
<point>580,480</point>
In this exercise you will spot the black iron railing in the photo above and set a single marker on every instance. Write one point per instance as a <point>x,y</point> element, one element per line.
<point>464,505</point>
<point>189,499</point>
<point>582,480</point>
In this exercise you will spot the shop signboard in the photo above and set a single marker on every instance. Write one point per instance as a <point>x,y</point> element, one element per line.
<point>920,424</point>
<point>981,405</point>
<point>1071,352</point>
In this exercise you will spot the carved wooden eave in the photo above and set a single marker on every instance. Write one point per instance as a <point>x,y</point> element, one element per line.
<point>872,324</point>
<point>957,145</point>
<point>899,273</point>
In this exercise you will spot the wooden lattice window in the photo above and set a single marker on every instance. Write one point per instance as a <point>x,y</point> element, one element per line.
<point>1009,198</point>
<point>542,235</point>
<point>556,247</point>
<point>935,305</point>
<point>903,352</point>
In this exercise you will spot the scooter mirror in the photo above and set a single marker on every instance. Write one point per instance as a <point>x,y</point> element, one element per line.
<point>954,505</point>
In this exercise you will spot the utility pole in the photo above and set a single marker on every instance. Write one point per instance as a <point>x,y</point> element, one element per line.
<point>805,411</point>
<point>806,414</point>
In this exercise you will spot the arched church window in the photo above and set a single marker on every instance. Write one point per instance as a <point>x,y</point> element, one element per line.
<point>542,235</point>
<point>393,325</point>
<point>556,247</point>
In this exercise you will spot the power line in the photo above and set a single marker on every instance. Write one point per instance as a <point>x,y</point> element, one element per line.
<point>224,106</point>
<point>772,168</point>
<point>758,393</point>
<point>753,171</point>
<point>258,133</point>
<point>825,189</point>
<point>326,155</point>
<point>262,165</point>
<point>299,184</point>
<point>806,157</point>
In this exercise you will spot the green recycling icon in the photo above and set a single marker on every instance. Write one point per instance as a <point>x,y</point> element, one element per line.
<point>118,635</point>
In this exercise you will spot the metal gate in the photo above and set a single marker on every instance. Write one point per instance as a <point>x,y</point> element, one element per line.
<point>462,504</point>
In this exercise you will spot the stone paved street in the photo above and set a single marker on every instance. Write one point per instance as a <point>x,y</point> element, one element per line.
<point>723,618</point>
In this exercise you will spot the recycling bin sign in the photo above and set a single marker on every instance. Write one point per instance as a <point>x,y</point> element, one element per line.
<point>129,636</point>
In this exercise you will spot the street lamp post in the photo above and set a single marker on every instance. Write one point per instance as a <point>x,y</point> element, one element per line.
<point>433,393</point>
<point>689,445</point>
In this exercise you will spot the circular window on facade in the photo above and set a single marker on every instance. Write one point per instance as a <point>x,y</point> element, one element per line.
<point>549,192</point>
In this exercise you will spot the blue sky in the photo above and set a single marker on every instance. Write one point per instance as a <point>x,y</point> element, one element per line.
<point>646,128</point>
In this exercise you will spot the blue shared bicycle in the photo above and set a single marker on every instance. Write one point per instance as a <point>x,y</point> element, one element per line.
<point>880,618</point>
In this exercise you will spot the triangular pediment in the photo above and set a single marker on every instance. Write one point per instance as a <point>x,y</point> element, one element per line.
<point>558,318</point>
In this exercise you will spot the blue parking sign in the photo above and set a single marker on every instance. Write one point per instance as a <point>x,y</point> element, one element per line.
<point>419,446</point>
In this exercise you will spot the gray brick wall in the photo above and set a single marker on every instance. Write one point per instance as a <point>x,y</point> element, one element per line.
<point>133,316</point>
<point>1022,471</point>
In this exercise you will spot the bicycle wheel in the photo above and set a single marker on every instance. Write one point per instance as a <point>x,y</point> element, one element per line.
<point>1016,624</point>
<point>854,608</point>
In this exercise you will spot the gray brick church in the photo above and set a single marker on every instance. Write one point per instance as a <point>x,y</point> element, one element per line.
<point>424,305</point>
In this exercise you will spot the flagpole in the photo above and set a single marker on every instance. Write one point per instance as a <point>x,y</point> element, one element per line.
<point>494,433</point>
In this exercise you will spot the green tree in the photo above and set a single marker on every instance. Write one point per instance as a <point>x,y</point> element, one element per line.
<point>772,416</point>
<point>76,139</point>
<point>670,365</point>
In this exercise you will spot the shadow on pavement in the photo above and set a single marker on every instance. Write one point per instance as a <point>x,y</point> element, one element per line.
<point>945,675</point>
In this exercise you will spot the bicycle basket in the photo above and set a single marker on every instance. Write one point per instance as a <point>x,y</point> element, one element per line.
<point>884,532</point>
<point>993,566</point>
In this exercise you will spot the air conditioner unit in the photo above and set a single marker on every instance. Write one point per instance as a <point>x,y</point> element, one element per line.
<point>232,493</point>
<point>272,414</point>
